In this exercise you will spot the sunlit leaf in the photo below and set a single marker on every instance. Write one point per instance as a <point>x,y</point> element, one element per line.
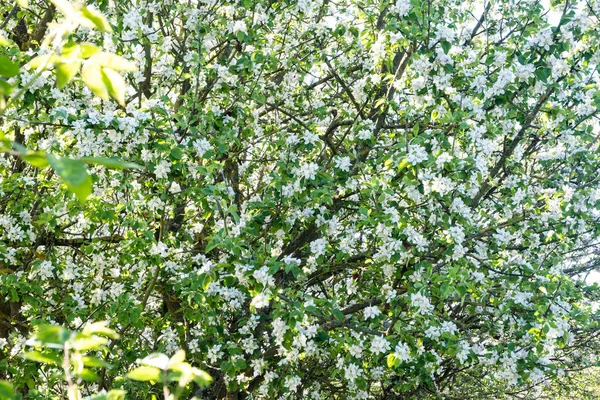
<point>91,73</point>
<point>177,359</point>
<point>74,174</point>
<point>87,375</point>
<point>52,335</point>
<point>96,19</point>
<point>8,68</point>
<point>100,328</point>
<point>65,72</point>
<point>145,374</point>
<point>157,360</point>
<point>66,8</point>
<point>202,378</point>
<point>115,84</point>
<point>95,362</point>
<point>83,342</point>
<point>36,158</point>
<point>6,390</point>
<point>45,61</point>
<point>111,163</point>
<point>112,61</point>
<point>43,357</point>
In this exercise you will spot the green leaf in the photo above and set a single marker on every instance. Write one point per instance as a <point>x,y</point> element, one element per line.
<point>338,314</point>
<point>45,61</point>
<point>115,394</point>
<point>44,358</point>
<point>112,163</point>
<point>83,342</point>
<point>65,72</point>
<point>96,19</point>
<point>157,360</point>
<point>66,8</point>
<point>177,359</point>
<point>112,61</point>
<point>23,3</point>
<point>144,374</point>
<point>100,328</point>
<point>4,42</point>
<point>5,88</point>
<point>95,362</point>
<point>202,378</point>
<point>8,68</point>
<point>543,74</point>
<point>446,46</point>
<point>74,174</point>
<point>36,158</point>
<point>87,50</point>
<point>52,336</point>
<point>391,360</point>
<point>115,84</point>
<point>6,390</point>
<point>91,73</point>
<point>87,375</point>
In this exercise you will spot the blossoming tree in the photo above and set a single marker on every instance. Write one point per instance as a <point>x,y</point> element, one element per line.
<point>341,199</point>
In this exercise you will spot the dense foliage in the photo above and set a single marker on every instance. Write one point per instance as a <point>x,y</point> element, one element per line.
<point>340,199</point>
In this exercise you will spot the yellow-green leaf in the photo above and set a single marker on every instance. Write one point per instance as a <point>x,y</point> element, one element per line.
<point>202,378</point>
<point>8,68</point>
<point>115,84</point>
<point>6,390</point>
<point>96,19</point>
<point>66,8</point>
<point>46,61</point>
<point>145,374</point>
<point>36,158</point>
<point>84,342</point>
<point>112,61</point>
<point>112,163</point>
<point>177,359</point>
<point>44,358</point>
<point>91,73</point>
<point>65,72</point>
<point>74,174</point>
<point>87,50</point>
<point>100,328</point>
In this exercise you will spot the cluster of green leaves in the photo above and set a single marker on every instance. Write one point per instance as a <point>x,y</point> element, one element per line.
<point>99,73</point>
<point>73,353</point>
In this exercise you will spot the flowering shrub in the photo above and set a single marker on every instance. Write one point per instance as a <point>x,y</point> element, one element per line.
<point>348,199</point>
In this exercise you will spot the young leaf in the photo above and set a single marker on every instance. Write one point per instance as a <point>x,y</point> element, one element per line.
<point>91,73</point>
<point>157,360</point>
<point>100,328</point>
<point>8,68</point>
<point>65,72</point>
<point>84,342</point>
<point>87,50</point>
<point>6,390</point>
<point>115,84</point>
<point>96,19</point>
<point>112,61</point>
<point>112,163</point>
<point>66,8</point>
<point>95,362</point>
<point>44,358</point>
<point>74,174</point>
<point>202,378</point>
<point>145,374</point>
<point>36,158</point>
<point>46,61</point>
